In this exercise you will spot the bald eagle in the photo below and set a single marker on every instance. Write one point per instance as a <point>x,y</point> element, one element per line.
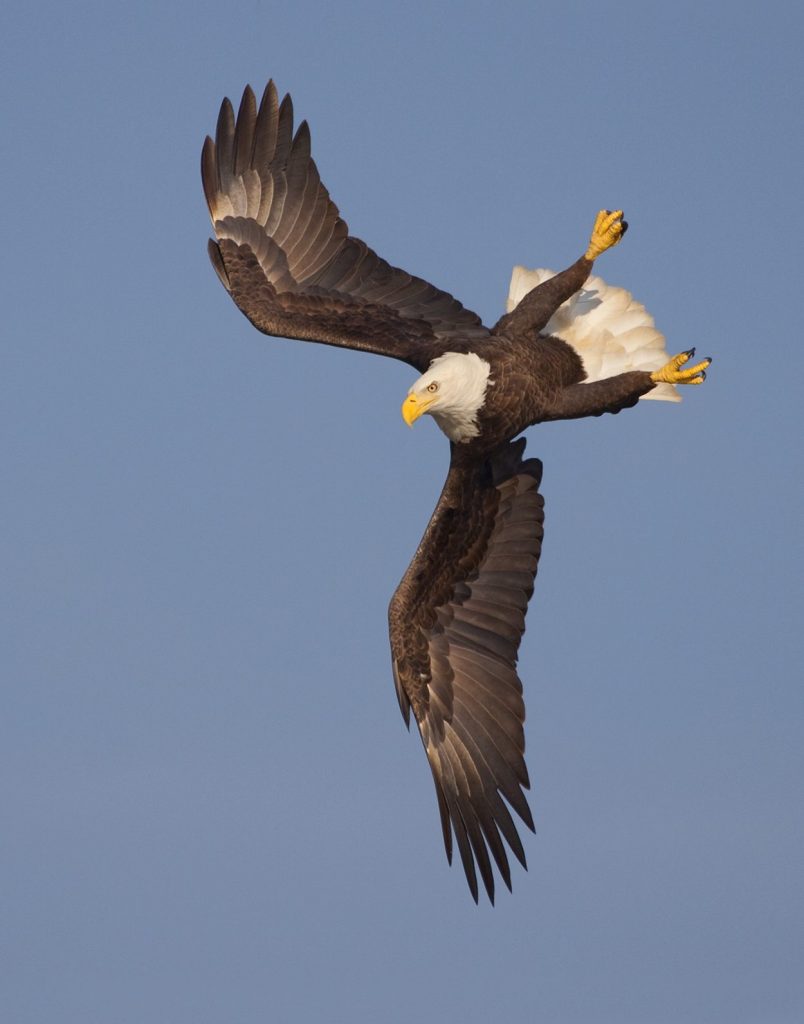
<point>569,346</point>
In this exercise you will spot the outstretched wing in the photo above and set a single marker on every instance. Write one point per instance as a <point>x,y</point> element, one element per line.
<point>609,329</point>
<point>287,258</point>
<point>456,621</point>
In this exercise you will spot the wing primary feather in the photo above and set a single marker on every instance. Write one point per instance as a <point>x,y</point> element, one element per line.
<point>506,779</point>
<point>296,174</point>
<point>492,812</point>
<point>401,696</point>
<point>284,132</point>
<point>504,731</point>
<point>243,144</point>
<point>456,819</point>
<point>483,806</point>
<point>265,130</point>
<point>311,220</point>
<point>301,229</point>
<point>224,139</point>
<point>467,809</point>
<point>217,262</point>
<point>504,699</point>
<point>443,814</point>
<point>209,176</point>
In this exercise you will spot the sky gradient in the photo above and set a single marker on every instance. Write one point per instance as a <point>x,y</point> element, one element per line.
<point>212,811</point>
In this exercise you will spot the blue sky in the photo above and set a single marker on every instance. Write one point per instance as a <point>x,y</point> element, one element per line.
<point>211,808</point>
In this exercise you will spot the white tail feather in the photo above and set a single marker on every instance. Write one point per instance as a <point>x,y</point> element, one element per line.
<point>607,327</point>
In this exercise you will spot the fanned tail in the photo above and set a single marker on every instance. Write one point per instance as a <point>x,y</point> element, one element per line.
<point>607,327</point>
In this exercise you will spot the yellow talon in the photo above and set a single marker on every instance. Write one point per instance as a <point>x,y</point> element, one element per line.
<point>608,230</point>
<point>671,373</point>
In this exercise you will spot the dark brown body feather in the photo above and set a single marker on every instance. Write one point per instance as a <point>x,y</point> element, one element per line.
<point>456,619</point>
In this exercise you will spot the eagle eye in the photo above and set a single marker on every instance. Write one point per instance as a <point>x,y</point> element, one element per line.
<point>432,388</point>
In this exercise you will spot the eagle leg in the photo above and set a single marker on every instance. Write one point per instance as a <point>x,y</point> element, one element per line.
<point>533,312</point>
<point>671,373</point>
<point>608,230</point>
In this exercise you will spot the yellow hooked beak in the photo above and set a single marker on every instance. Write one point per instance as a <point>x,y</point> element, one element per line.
<point>413,407</point>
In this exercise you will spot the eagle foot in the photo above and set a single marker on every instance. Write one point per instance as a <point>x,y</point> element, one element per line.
<point>671,373</point>
<point>608,230</point>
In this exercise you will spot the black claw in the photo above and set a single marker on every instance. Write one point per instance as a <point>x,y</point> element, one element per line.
<point>690,353</point>
<point>703,376</point>
<point>625,227</point>
<point>708,360</point>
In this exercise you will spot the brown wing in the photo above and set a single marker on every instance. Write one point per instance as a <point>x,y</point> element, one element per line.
<point>287,258</point>
<point>456,621</point>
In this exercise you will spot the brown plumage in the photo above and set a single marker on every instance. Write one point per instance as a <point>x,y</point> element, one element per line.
<point>456,620</point>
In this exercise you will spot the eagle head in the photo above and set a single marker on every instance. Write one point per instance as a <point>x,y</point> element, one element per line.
<point>452,391</point>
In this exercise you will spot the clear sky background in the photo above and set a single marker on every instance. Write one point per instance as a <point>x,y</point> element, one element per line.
<point>211,811</point>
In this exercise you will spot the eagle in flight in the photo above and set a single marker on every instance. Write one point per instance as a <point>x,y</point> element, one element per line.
<point>569,346</point>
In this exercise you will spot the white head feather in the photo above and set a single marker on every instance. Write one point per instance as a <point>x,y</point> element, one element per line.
<point>454,388</point>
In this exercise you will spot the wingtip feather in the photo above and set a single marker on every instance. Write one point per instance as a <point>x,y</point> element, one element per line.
<point>215,258</point>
